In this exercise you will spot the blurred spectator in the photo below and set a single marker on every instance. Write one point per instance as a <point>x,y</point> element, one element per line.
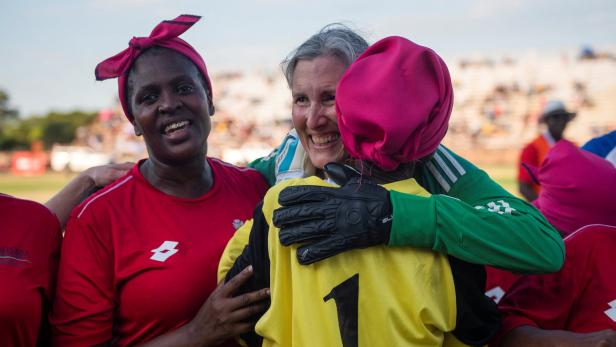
<point>556,117</point>
<point>587,52</point>
<point>569,200</point>
<point>573,307</point>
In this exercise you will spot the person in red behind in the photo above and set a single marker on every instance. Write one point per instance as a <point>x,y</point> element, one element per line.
<point>29,251</point>
<point>578,190</point>
<point>556,117</point>
<point>577,305</point>
<point>139,257</point>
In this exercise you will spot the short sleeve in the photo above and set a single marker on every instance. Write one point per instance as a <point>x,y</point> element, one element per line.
<point>84,304</point>
<point>542,301</point>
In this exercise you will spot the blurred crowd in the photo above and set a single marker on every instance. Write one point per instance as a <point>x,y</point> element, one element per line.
<point>366,182</point>
<point>497,105</point>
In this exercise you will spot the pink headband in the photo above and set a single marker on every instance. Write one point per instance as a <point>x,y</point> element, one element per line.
<point>577,188</point>
<point>394,103</point>
<point>165,35</point>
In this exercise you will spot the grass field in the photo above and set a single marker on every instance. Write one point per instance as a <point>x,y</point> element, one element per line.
<point>505,175</point>
<point>41,188</point>
<point>37,188</point>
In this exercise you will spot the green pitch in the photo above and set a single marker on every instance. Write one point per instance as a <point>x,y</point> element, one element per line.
<point>37,188</point>
<point>41,188</point>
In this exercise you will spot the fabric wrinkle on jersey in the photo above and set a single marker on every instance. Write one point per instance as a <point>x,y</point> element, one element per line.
<point>522,241</point>
<point>419,310</point>
<point>579,298</point>
<point>139,262</point>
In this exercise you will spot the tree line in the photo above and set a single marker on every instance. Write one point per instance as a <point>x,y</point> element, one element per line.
<point>18,133</point>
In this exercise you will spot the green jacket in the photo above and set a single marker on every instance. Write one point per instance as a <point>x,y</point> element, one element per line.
<point>469,216</point>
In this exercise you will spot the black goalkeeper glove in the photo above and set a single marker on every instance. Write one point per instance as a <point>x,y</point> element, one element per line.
<point>328,221</point>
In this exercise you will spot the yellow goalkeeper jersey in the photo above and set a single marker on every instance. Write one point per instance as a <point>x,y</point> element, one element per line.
<point>378,296</point>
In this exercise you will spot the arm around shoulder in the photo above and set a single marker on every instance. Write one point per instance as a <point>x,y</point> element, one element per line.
<point>474,219</point>
<point>84,302</point>
<point>83,186</point>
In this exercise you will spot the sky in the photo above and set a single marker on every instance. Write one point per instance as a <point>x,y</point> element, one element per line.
<point>48,49</point>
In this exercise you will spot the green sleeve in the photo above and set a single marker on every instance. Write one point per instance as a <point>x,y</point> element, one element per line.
<point>266,167</point>
<point>473,218</point>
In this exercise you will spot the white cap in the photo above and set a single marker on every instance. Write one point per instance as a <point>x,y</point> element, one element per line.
<point>553,107</point>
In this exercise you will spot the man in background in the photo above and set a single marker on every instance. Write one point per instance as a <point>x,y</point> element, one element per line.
<point>556,117</point>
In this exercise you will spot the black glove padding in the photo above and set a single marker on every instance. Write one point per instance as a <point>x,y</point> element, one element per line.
<point>330,220</point>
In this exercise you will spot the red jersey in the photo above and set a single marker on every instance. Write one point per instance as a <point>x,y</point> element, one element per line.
<point>498,282</point>
<point>137,263</point>
<point>581,297</point>
<point>533,155</point>
<point>29,250</point>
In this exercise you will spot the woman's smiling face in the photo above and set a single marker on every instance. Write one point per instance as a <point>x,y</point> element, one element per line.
<point>314,110</point>
<point>170,106</point>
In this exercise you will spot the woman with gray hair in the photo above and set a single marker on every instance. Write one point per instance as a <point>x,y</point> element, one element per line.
<point>334,39</point>
<point>497,228</point>
<point>482,224</point>
<point>492,226</point>
<point>317,215</point>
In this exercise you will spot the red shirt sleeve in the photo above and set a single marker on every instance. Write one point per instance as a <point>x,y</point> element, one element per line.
<point>83,309</point>
<point>543,301</point>
<point>529,156</point>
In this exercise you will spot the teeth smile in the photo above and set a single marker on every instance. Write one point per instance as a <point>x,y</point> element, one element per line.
<point>324,139</point>
<point>175,126</point>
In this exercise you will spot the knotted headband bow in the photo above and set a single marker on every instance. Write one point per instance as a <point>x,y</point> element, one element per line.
<point>165,35</point>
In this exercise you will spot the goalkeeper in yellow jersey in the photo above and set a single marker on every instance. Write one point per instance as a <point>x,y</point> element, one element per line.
<point>392,107</point>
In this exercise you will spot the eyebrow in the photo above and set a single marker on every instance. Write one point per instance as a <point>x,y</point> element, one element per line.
<point>171,81</point>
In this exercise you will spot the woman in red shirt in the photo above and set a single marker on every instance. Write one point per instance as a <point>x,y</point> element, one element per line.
<point>139,257</point>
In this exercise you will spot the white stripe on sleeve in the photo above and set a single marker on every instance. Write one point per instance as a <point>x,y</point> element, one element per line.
<point>438,177</point>
<point>441,163</point>
<point>453,161</point>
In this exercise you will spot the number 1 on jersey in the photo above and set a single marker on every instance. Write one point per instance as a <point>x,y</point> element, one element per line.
<point>346,296</point>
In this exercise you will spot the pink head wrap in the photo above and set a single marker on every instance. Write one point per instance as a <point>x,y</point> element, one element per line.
<point>165,35</point>
<point>578,188</point>
<point>394,103</point>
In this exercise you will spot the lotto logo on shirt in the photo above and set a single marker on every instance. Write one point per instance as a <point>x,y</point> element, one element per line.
<point>237,223</point>
<point>164,251</point>
<point>496,294</point>
<point>611,312</point>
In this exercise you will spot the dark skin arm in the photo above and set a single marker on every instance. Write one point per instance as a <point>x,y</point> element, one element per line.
<point>223,316</point>
<point>83,186</point>
<point>530,336</point>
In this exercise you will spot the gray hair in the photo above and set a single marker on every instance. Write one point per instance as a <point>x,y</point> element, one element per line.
<point>334,39</point>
